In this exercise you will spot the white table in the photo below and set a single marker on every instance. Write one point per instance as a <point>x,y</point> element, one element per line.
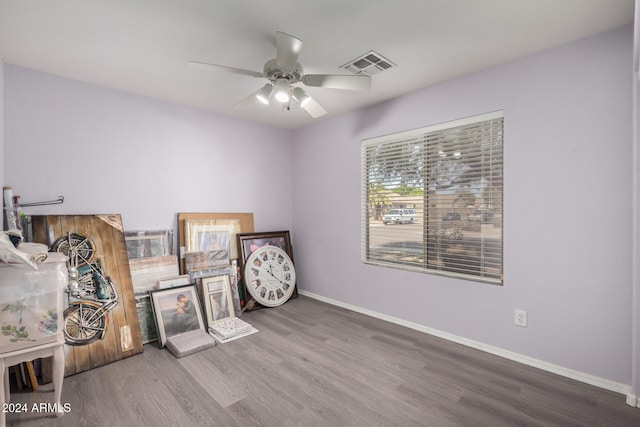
<point>55,349</point>
<point>40,291</point>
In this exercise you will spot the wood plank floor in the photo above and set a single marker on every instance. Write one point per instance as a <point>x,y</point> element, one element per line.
<point>313,364</point>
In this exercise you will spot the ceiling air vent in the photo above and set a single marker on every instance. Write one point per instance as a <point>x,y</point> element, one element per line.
<point>370,63</point>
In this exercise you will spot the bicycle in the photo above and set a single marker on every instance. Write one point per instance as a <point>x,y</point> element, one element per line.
<point>91,295</point>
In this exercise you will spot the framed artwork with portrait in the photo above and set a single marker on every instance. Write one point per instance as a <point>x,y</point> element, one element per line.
<point>176,310</point>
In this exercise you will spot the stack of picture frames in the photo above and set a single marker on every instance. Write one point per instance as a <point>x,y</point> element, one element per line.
<point>168,306</point>
<point>153,265</point>
<point>210,242</point>
<point>100,321</point>
<point>209,255</point>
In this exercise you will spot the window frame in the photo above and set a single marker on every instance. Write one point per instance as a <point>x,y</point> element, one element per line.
<point>408,137</point>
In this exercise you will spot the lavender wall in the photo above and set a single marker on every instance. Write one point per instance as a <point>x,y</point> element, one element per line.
<point>107,151</point>
<point>567,209</point>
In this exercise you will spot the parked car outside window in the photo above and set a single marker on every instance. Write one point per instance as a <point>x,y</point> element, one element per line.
<point>399,216</point>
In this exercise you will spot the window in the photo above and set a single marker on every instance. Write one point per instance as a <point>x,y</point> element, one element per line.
<point>432,199</point>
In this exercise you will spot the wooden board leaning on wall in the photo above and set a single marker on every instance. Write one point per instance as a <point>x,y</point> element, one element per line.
<point>121,337</point>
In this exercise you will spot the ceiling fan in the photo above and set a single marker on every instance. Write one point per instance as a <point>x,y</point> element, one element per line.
<point>285,73</point>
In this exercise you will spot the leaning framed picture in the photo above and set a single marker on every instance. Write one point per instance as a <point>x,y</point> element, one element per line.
<point>145,318</point>
<point>207,235</point>
<point>176,310</point>
<point>234,222</point>
<point>249,242</point>
<point>218,301</point>
<point>143,244</point>
<point>146,272</point>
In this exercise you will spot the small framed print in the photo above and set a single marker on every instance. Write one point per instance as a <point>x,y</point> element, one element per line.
<point>176,310</point>
<point>218,301</point>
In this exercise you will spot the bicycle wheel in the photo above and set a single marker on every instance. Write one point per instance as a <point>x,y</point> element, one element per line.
<point>83,324</point>
<point>77,247</point>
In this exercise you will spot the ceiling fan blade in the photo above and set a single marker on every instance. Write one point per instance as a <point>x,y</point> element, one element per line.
<point>287,51</point>
<point>336,81</point>
<point>213,67</point>
<point>248,102</point>
<point>313,108</point>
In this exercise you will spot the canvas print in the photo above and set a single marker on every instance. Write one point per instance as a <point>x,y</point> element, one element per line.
<point>100,303</point>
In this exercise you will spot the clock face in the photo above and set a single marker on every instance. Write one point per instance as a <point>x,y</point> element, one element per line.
<point>270,276</point>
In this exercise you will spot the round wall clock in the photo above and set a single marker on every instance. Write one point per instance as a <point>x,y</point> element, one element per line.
<point>270,276</point>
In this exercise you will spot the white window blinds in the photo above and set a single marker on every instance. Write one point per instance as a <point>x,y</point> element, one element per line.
<point>432,199</point>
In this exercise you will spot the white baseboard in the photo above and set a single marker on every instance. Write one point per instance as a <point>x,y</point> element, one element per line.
<point>593,380</point>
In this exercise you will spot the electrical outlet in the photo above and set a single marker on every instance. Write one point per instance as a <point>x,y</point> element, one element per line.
<point>521,318</point>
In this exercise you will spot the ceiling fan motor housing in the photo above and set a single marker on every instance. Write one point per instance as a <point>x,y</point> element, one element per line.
<point>273,72</point>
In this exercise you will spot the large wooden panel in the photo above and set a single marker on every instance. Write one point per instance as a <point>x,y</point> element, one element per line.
<point>106,235</point>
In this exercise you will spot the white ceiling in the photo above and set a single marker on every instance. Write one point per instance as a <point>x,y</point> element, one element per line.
<point>143,46</point>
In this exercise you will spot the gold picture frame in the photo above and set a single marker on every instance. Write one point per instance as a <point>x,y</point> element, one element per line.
<point>244,219</point>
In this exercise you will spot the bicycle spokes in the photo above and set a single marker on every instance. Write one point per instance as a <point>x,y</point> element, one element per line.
<point>84,323</point>
<point>91,293</point>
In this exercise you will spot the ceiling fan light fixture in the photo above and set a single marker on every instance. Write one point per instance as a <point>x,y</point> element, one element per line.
<point>301,96</point>
<point>284,73</point>
<point>264,94</point>
<point>282,90</point>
